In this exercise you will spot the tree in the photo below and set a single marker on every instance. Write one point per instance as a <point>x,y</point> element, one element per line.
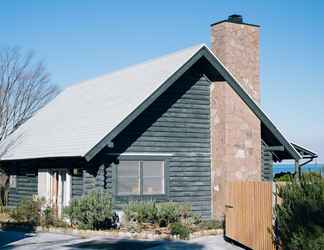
<point>25,87</point>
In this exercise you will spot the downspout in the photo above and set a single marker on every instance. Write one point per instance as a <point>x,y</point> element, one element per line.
<point>298,166</point>
<point>297,170</point>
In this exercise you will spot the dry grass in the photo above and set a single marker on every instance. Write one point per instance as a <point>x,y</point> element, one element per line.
<point>4,217</point>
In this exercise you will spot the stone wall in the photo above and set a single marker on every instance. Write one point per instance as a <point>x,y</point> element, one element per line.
<point>235,130</point>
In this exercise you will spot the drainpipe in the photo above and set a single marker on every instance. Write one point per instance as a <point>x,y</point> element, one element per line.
<point>297,170</point>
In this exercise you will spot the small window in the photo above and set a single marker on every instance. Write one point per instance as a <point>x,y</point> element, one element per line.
<point>13,181</point>
<point>140,178</point>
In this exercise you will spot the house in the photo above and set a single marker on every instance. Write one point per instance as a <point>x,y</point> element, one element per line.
<point>175,128</point>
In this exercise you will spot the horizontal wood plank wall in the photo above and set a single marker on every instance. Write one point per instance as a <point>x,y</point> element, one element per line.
<point>26,187</point>
<point>77,186</point>
<point>267,163</point>
<point>178,122</point>
<point>249,214</point>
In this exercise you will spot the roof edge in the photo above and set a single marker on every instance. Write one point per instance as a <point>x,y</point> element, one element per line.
<point>305,150</point>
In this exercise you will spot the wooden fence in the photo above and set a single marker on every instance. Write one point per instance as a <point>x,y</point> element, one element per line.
<point>248,217</point>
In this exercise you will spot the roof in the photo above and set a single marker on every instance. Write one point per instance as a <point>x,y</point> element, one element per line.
<point>82,119</point>
<point>305,152</point>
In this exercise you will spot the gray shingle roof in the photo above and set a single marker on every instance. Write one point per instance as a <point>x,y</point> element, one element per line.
<point>79,117</point>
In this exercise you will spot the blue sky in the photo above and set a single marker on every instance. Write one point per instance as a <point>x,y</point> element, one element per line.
<point>83,39</point>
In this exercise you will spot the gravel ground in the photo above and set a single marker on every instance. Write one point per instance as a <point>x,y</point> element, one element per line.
<point>43,241</point>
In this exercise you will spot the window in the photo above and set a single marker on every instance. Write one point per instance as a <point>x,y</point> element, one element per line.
<point>13,181</point>
<point>140,178</point>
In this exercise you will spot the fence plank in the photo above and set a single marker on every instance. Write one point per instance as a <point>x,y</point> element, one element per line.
<point>249,213</point>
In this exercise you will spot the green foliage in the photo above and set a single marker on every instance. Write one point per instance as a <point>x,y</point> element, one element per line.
<point>300,217</point>
<point>283,176</point>
<point>210,224</point>
<point>28,211</point>
<point>181,230</point>
<point>71,211</point>
<point>141,212</point>
<point>157,213</point>
<point>93,211</point>
<point>171,212</point>
<point>48,217</point>
<point>32,212</point>
<point>194,219</point>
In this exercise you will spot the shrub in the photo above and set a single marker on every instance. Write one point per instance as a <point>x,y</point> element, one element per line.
<point>169,212</point>
<point>181,230</point>
<point>194,219</point>
<point>141,212</point>
<point>300,216</point>
<point>71,211</point>
<point>93,211</point>
<point>210,224</point>
<point>28,211</point>
<point>48,218</point>
<point>163,213</point>
<point>283,176</point>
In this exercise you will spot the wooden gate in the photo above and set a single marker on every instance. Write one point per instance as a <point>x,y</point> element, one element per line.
<point>248,216</point>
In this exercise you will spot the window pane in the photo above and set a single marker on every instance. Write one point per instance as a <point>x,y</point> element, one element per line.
<point>128,177</point>
<point>153,177</point>
<point>128,185</point>
<point>128,168</point>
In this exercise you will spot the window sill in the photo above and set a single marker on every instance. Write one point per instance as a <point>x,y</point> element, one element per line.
<point>141,197</point>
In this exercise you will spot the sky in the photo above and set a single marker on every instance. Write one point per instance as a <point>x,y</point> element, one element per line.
<point>79,40</point>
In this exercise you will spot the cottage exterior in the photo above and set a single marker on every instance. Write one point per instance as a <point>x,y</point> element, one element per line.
<point>175,128</point>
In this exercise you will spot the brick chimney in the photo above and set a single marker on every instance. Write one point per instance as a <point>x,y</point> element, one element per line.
<point>236,132</point>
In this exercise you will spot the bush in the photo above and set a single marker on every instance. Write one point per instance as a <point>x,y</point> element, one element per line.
<point>210,224</point>
<point>93,211</point>
<point>141,212</point>
<point>181,230</point>
<point>162,214</point>
<point>300,216</point>
<point>283,176</point>
<point>171,212</point>
<point>28,211</point>
<point>32,212</point>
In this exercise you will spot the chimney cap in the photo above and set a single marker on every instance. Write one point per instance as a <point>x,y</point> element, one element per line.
<point>235,18</point>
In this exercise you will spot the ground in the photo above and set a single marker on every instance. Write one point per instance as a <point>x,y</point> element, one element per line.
<point>37,241</point>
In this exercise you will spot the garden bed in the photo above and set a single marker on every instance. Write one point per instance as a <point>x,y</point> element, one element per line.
<point>92,215</point>
<point>158,234</point>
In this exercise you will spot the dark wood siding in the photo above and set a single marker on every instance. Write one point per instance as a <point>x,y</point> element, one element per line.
<point>77,186</point>
<point>178,123</point>
<point>267,162</point>
<point>26,187</point>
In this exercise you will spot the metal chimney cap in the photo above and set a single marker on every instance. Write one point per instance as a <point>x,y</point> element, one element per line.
<point>235,18</point>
